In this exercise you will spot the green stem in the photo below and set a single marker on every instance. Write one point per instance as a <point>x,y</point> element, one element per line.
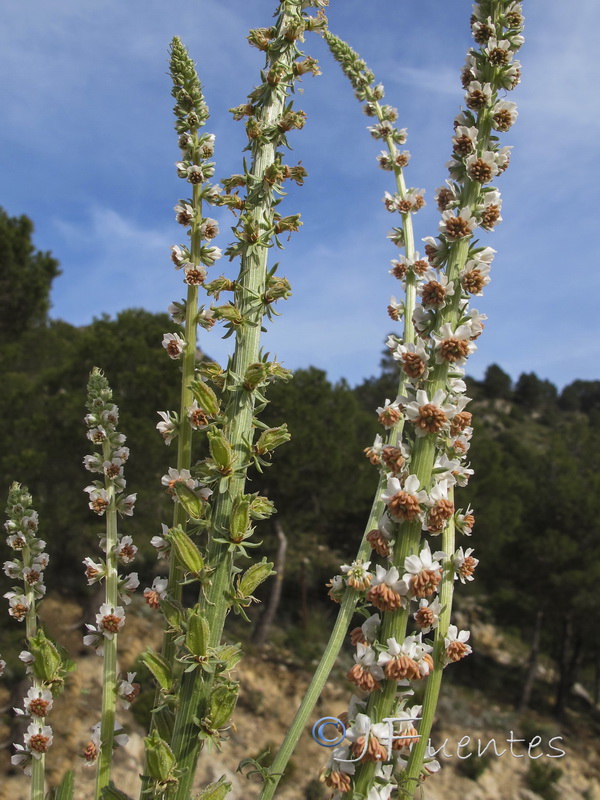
<point>184,439</point>
<point>38,765</point>
<point>350,598</point>
<point>109,672</point>
<point>434,680</point>
<point>196,686</point>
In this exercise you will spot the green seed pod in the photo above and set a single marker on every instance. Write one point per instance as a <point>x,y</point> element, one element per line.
<point>240,518</point>
<point>222,703</point>
<point>160,760</point>
<point>47,660</point>
<point>272,438</point>
<point>215,791</point>
<point>159,667</point>
<point>261,507</point>
<point>195,506</point>
<point>196,637</point>
<point>206,398</point>
<point>254,576</point>
<point>255,375</point>
<point>186,550</point>
<point>211,371</point>
<point>221,451</point>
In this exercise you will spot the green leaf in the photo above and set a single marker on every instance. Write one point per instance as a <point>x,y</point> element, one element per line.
<point>159,667</point>
<point>66,788</point>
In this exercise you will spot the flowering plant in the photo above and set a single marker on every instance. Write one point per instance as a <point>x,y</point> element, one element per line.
<point>399,578</point>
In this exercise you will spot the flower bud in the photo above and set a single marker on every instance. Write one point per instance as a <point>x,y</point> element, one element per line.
<point>272,438</point>
<point>261,507</point>
<point>255,374</point>
<point>204,395</point>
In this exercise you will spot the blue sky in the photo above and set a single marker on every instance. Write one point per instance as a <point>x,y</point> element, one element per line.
<point>87,150</point>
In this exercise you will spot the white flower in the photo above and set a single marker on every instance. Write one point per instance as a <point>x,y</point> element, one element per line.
<point>18,605</point>
<point>22,758</point>
<point>125,550</point>
<point>209,229</point>
<point>478,92</point>
<point>94,639</point>
<point>184,213</point>
<point>391,578</point>
<point>464,564</point>
<point>389,414</point>
<point>370,627</point>
<point>13,569</point>
<point>167,428</point>
<point>110,620</point>
<point>2,666</point>
<point>424,561</point>
<point>482,167</point>
<point>125,505</point>
<point>163,548</point>
<point>366,657</point>
<point>37,703</point>
<point>94,571</point>
<point>176,476</point>
<point>174,345</point>
<point>208,255</point>
<point>411,486</point>
<point>453,345</point>
<point>429,611</point>
<point>128,690</point>
<point>38,739</point>
<point>457,226</point>
<point>177,312</point>
<point>455,644</point>
<point>93,463</point>
<point>98,499</point>
<point>504,115</point>
<point>464,139</point>
<point>27,658</point>
<point>127,586</point>
<point>157,592</point>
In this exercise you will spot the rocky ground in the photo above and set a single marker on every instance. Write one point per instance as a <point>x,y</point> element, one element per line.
<point>272,685</point>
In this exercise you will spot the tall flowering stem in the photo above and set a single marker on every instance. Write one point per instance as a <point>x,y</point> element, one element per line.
<point>387,448</point>
<point>419,495</point>
<point>28,567</point>
<point>198,703</point>
<point>191,113</point>
<point>107,499</point>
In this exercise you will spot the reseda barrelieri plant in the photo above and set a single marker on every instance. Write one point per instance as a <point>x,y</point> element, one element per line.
<point>398,577</point>
<point>427,433</point>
